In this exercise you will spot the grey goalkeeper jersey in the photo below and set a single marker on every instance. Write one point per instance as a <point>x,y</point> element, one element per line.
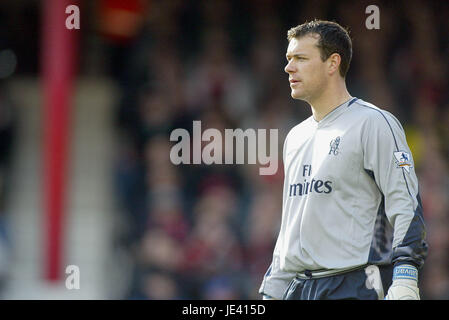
<point>350,196</point>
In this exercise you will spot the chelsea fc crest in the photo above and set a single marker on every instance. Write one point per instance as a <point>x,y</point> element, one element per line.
<point>334,146</point>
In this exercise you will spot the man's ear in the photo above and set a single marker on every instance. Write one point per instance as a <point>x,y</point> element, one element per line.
<point>334,61</point>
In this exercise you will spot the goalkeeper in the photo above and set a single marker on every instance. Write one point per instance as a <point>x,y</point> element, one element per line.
<point>352,222</point>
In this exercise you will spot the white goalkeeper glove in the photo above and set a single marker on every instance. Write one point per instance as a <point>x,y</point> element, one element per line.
<point>405,283</point>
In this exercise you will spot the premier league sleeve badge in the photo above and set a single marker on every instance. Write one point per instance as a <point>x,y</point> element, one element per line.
<point>403,160</point>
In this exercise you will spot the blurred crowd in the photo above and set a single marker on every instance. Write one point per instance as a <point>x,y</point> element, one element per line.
<point>208,231</point>
<point>8,124</point>
<point>7,137</point>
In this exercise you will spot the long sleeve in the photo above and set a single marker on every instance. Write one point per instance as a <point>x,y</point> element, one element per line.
<point>275,281</point>
<point>388,157</point>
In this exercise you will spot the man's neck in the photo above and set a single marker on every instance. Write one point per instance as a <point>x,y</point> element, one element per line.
<point>327,102</point>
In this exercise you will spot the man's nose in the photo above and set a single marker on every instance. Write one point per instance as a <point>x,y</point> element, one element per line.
<point>289,68</point>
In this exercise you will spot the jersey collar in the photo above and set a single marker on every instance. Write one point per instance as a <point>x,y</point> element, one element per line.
<point>336,112</point>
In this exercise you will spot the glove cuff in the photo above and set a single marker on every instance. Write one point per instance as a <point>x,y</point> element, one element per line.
<point>405,272</point>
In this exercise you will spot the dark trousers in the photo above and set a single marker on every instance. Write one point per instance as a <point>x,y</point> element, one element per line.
<point>352,285</point>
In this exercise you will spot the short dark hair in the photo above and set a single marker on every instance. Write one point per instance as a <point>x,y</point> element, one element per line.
<point>333,39</point>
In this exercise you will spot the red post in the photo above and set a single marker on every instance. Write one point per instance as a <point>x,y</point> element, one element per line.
<point>58,53</point>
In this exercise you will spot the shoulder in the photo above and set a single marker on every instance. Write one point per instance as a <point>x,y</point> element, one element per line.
<point>375,117</point>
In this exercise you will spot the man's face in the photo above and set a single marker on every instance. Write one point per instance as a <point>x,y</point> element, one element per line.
<point>306,70</point>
